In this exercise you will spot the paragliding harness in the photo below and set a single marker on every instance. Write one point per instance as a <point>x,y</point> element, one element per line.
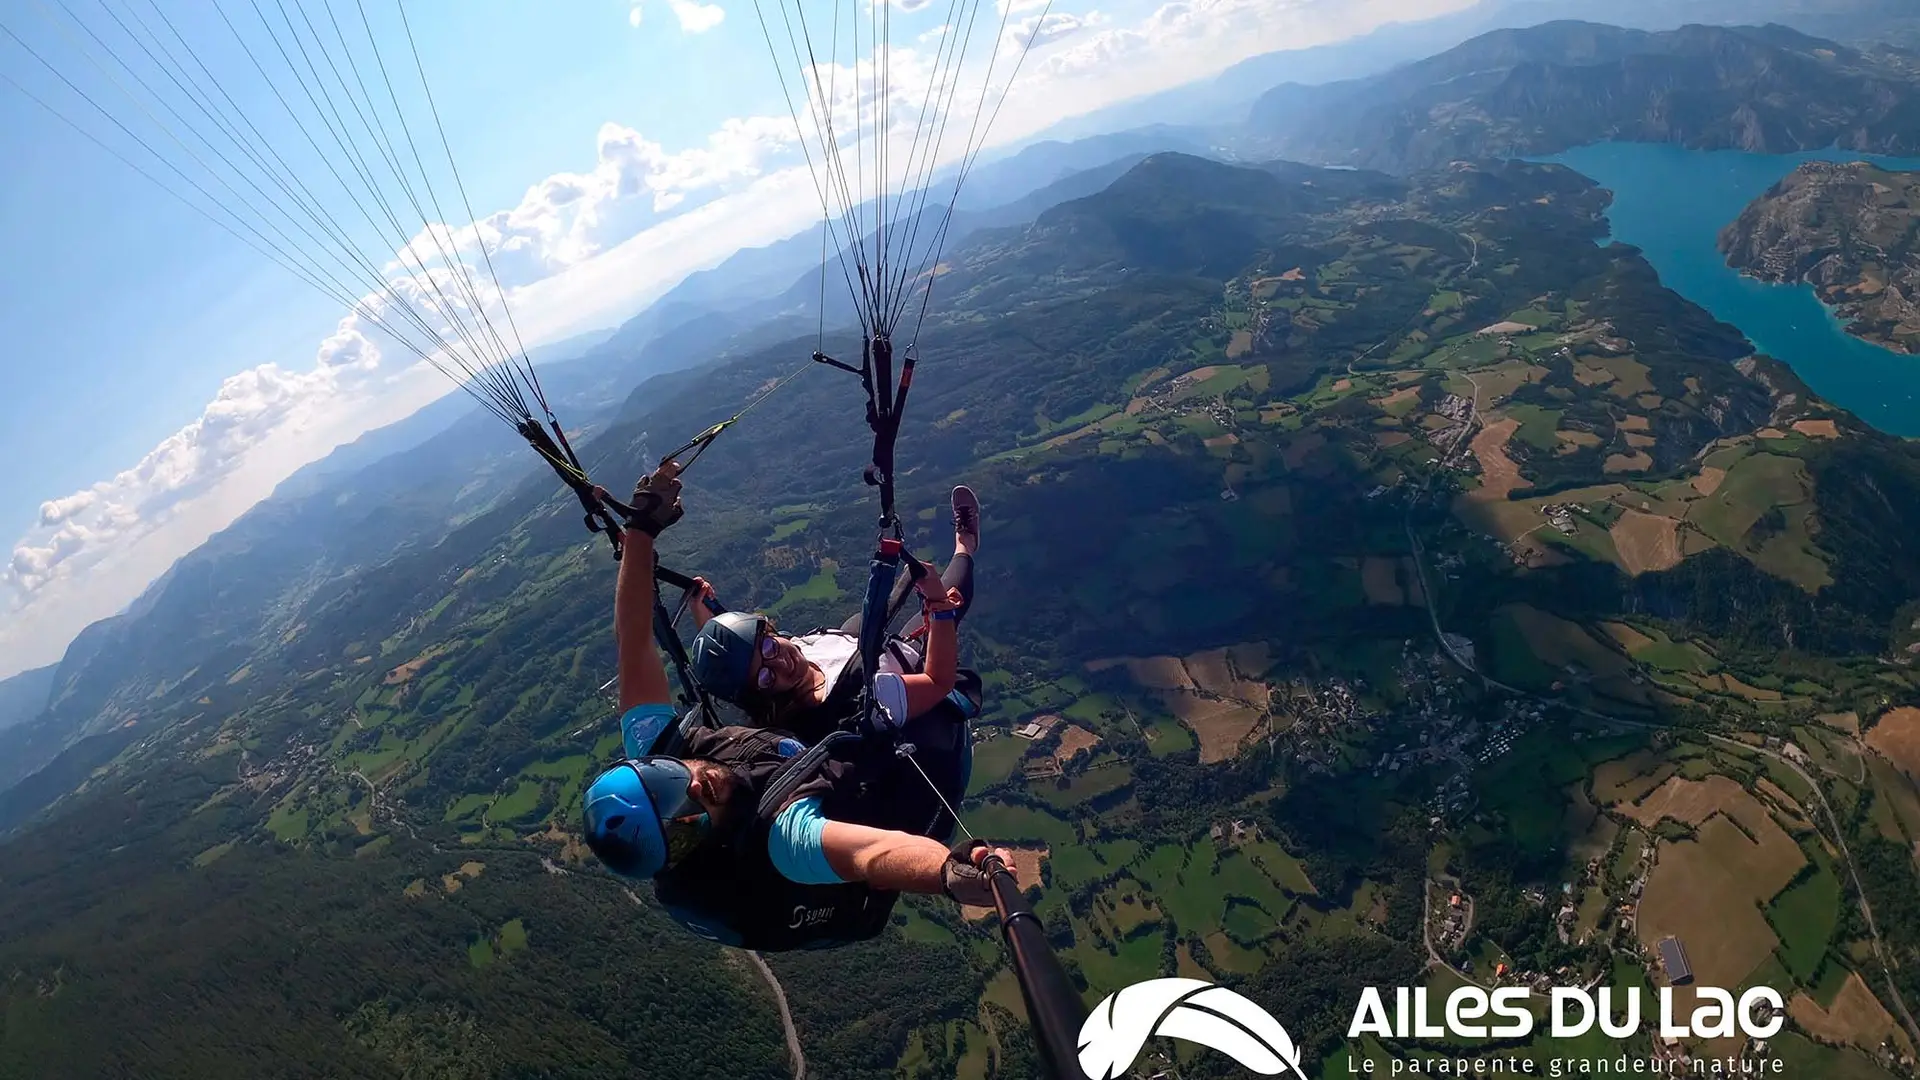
<point>731,893</point>
<point>825,916</point>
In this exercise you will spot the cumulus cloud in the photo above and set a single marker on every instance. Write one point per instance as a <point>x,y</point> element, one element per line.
<point>694,17</point>
<point>1037,30</point>
<point>78,531</point>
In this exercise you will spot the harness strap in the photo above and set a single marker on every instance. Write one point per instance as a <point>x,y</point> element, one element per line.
<point>667,636</point>
<point>800,770</point>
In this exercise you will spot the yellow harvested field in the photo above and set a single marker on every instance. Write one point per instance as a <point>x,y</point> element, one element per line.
<point>468,871</point>
<point>1240,345</point>
<point>1508,328</point>
<point>1381,580</point>
<point>1578,438</point>
<point>1646,542</point>
<point>1817,429</point>
<point>1404,394</point>
<point>1342,385</point>
<point>1708,892</point>
<point>1897,735</point>
<point>1635,423</point>
<point>1709,480</point>
<point>1217,693</point>
<point>1856,1018</point>
<point>1228,439</point>
<point>1640,442</point>
<point>408,670</point>
<point>1499,477</point>
<point>1688,801</point>
<point>1074,740</point>
<point>1026,871</point>
<point>1223,730</point>
<point>1160,673</point>
<point>1618,463</point>
<point>1771,433</point>
<point>1623,779</point>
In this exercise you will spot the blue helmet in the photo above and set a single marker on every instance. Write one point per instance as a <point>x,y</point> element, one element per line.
<point>722,653</point>
<point>640,817</point>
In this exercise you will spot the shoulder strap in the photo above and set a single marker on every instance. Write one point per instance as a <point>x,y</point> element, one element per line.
<point>801,769</point>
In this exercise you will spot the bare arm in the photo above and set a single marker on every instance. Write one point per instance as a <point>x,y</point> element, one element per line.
<point>643,675</point>
<point>894,861</point>
<point>885,859</point>
<point>938,675</point>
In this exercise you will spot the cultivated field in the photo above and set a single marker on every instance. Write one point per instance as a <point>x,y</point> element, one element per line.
<point>1856,1017</point>
<point>1646,542</point>
<point>1499,476</point>
<point>1707,892</point>
<point>1217,693</point>
<point>1897,735</point>
<point>1074,740</point>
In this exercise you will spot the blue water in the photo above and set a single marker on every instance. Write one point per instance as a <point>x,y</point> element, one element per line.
<point>1672,203</point>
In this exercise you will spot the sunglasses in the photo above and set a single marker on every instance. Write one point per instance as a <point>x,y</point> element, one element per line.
<point>685,834</point>
<point>767,648</point>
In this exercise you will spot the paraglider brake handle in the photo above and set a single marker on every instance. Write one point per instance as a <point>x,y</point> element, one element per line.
<point>823,358</point>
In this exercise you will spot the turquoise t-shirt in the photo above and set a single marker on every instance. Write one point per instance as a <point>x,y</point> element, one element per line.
<point>643,724</point>
<point>796,844</point>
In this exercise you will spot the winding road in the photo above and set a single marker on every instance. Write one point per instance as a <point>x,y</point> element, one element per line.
<point>786,1017</point>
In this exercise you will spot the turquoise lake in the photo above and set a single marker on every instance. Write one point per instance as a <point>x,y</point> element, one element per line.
<point>1672,203</point>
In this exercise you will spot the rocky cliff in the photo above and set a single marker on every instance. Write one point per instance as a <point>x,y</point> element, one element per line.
<point>1853,232</point>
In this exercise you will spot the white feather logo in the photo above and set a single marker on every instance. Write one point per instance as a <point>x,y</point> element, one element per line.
<point>1189,1009</point>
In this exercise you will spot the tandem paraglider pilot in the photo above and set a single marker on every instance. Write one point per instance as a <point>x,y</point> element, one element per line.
<point>818,868</point>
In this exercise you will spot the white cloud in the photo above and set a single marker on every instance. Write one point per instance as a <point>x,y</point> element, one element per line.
<point>79,532</point>
<point>1036,31</point>
<point>583,249</point>
<point>695,17</point>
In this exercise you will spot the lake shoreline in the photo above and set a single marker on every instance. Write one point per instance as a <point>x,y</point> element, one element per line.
<point>1672,203</point>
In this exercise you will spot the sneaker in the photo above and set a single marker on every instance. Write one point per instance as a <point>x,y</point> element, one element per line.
<point>966,512</point>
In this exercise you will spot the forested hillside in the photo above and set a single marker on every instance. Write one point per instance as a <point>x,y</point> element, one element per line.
<point>1249,440</point>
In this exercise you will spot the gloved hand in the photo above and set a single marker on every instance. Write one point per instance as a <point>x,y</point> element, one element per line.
<point>656,500</point>
<point>962,877</point>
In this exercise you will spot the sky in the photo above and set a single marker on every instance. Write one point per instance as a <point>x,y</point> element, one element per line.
<point>165,373</point>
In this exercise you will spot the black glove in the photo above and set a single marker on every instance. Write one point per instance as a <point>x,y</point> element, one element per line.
<point>963,881</point>
<point>656,502</point>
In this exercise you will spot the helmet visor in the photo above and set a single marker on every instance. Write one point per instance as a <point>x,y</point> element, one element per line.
<point>683,821</point>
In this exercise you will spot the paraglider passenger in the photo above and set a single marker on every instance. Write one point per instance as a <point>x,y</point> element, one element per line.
<point>809,684</point>
<point>817,870</point>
